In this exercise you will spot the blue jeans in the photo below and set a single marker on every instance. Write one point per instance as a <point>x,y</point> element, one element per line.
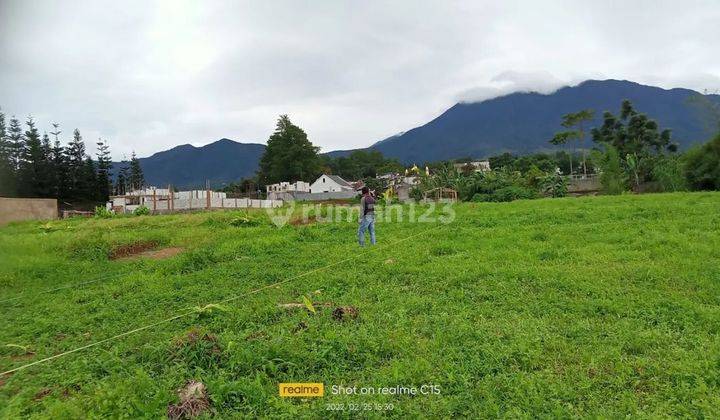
<point>367,223</point>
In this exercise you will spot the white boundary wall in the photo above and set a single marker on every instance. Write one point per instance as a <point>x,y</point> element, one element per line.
<point>216,203</point>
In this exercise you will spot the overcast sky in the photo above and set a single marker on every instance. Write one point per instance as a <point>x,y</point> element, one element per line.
<point>149,75</point>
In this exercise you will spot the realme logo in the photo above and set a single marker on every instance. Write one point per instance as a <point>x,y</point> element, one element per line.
<point>302,390</point>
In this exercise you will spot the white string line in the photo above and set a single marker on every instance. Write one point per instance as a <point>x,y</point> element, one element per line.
<point>23,294</point>
<point>195,310</point>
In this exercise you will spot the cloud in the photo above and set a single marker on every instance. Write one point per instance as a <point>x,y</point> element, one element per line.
<point>513,81</point>
<point>149,75</point>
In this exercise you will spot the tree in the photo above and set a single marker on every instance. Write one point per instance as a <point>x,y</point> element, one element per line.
<point>59,164</point>
<point>702,166</point>
<point>612,176</point>
<point>89,181</point>
<point>123,178</point>
<point>16,141</point>
<point>75,161</point>
<point>137,179</point>
<point>7,172</point>
<point>289,155</point>
<point>575,120</point>
<point>34,172</point>
<point>104,164</point>
<point>636,136</point>
<point>633,132</point>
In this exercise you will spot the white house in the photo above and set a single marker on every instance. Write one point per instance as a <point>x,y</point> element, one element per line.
<point>330,183</point>
<point>300,186</point>
<point>477,166</point>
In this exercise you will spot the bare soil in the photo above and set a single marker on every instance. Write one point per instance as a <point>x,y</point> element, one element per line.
<point>144,250</point>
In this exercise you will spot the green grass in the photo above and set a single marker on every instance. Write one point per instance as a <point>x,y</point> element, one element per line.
<point>602,306</point>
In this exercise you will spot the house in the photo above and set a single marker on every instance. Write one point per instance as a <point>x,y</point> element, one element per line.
<point>477,166</point>
<point>330,183</point>
<point>288,187</point>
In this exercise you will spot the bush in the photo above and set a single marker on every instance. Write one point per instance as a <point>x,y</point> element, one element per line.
<point>141,211</point>
<point>668,174</point>
<point>103,213</point>
<point>506,194</point>
<point>513,193</point>
<point>242,221</point>
<point>613,177</point>
<point>702,166</point>
<point>554,185</point>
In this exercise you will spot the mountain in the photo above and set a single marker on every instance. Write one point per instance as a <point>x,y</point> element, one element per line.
<point>187,166</point>
<point>524,122</point>
<point>518,123</point>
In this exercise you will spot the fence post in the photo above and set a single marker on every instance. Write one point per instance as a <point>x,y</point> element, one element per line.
<point>207,194</point>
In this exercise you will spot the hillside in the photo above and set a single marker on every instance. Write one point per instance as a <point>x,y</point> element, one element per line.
<point>519,123</point>
<point>556,308</point>
<point>524,122</point>
<point>188,166</point>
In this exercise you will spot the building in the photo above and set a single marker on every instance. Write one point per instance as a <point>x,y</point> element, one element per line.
<point>300,186</point>
<point>477,166</point>
<point>282,190</point>
<point>162,199</point>
<point>330,183</point>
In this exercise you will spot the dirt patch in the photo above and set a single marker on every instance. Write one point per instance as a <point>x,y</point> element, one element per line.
<point>301,221</point>
<point>42,394</point>
<point>130,250</point>
<point>152,254</point>
<point>193,401</point>
<point>299,327</point>
<point>25,356</point>
<point>4,379</point>
<point>256,336</point>
<point>342,313</point>
<point>196,336</point>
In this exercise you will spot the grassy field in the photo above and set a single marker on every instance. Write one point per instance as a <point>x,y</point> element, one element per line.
<point>600,306</point>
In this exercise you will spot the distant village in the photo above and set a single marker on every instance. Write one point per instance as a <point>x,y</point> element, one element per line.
<point>325,187</point>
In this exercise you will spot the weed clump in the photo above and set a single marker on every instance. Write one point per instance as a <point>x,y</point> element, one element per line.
<point>342,313</point>
<point>243,221</point>
<point>197,348</point>
<point>442,250</point>
<point>193,402</point>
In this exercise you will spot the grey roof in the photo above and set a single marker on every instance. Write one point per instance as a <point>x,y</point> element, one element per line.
<point>339,180</point>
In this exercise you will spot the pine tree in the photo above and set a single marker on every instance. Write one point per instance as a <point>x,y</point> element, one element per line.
<point>7,174</point>
<point>17,144</point>
<point>121,183</point>
<point>34,177</point>
<point>104,164</point>
<point>75,161</point>
<point>137,179</point>
<point>59,165</point>
<point>89,180</point>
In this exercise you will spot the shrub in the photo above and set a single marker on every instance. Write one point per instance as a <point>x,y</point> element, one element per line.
<point>103,213</point>
<point>513,193</point>
<point>702,167</point>
<point>668,173</point>
<point>612,178</point>
<point>242,221</point>
<point>416,193</point>
<point>554,185</point>
<point>141,211</point>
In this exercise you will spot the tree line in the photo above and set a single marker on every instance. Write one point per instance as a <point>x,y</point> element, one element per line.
<point>290,156</point>
<point>41,166</point>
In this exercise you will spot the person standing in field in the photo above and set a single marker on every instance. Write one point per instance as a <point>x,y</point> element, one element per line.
<point>367,217</point>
